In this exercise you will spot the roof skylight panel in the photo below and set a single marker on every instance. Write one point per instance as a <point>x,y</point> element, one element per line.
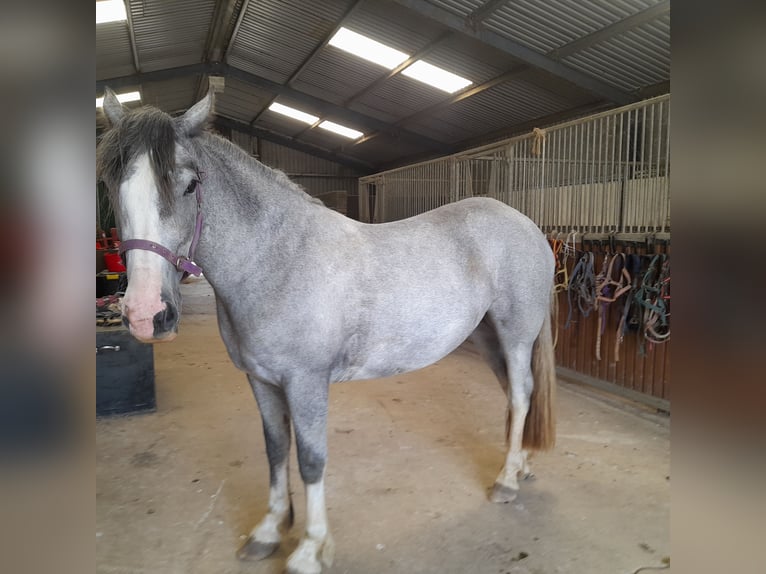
<point>122,98</point>
<point>110,11</point>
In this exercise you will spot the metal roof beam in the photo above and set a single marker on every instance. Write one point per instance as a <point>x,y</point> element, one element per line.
<point>323,107</point>
<point>422,53</point>
<point>619,27</point>
<point>217,39</point>
<point>310,58</point>
<point>483,12</point>
<point>318,151</point>
<point>235,31</point>
<point>132,37</point>
<point>518,51</point>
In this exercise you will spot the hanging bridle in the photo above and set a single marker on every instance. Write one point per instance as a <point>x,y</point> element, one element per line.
<point>180,262</point>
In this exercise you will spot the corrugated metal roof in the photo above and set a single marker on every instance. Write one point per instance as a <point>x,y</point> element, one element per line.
<point>392,25</point>
<point>401,96</point>
<point>173,95</point>
<point>454,57</point>
<point>504,105</point>
<point>336,75</point>
<point>170,32</point>
<point>638,58</point>
<point>544,26</point>
<point>277,35</point>
<point>240,101</point>
<point>113,56</point>
<point>459,7</point>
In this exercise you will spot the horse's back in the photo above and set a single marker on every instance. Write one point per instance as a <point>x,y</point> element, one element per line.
<point>476,231</point>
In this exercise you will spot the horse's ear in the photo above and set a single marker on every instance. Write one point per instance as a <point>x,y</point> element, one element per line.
<point>113,109</point>
<point>195,119</point>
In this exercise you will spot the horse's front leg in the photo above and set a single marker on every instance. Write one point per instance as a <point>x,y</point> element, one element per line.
<point>266,536</point>
<point>308,408</point>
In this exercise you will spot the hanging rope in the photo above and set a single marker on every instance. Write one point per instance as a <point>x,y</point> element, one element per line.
<point>582,287</point>
<point>654,297</point>
<point>611,284</point>
<point>537,143</point>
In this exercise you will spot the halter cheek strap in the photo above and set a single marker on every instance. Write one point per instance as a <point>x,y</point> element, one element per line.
<point>180,262</point>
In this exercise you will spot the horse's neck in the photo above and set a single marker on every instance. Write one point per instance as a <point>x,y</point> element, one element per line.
<point>252,226</point>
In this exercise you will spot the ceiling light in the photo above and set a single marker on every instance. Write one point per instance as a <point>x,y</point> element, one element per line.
<point>293,113</point>
<point>122,98</point>
<point>436,77</point>
<point>110,11</point>
<point>367,48</point>
<point>339,129</point>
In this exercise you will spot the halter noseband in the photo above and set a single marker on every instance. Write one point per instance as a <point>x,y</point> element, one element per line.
<point>180,262</point>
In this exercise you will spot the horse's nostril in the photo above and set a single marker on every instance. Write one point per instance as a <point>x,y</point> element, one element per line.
<point>171,315</point>
<point>165,320</point>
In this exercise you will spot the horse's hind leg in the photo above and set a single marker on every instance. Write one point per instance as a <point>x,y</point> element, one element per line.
<point>308,401</point>
<point>486,339</point>
<point>266,536</point>
<point>518,359</point>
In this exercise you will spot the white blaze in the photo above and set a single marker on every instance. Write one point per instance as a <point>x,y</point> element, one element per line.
<point>140,206</point>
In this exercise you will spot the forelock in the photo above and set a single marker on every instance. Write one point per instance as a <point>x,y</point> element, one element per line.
<point>147,130</point>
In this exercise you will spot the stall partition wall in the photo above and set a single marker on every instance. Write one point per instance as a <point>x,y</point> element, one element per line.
<point>598,177</point>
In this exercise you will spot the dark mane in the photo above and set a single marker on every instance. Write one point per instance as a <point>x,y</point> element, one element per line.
<point>144,130</point>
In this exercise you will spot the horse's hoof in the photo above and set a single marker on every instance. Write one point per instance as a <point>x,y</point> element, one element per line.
<point>255,550</point>
<point>503,494</point>
<point>312,556</point>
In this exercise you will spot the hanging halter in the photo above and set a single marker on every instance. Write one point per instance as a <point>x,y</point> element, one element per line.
<point>180,262</point>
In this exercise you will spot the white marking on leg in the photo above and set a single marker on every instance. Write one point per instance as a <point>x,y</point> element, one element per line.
<point>268,530</point>
<point>316,547</point>
<point>516,460</point>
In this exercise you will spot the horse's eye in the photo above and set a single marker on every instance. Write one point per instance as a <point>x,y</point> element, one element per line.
<point>191,187</point>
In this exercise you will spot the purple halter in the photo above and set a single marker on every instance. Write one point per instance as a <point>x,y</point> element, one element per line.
<point>185,264</point>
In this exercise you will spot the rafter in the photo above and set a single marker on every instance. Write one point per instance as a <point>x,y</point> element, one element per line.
<point>484,11</point>
<point>218,39</point>
<point>619,27</point>
<point>132,37</point>
<point>422,53</point>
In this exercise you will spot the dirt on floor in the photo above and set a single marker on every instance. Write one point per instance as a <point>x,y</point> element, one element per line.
<point>411,459</point>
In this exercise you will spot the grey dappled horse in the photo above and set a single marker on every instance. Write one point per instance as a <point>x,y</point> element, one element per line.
<point>306,296</point>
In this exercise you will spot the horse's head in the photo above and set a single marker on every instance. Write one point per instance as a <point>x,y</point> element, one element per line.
<point>147,161</point>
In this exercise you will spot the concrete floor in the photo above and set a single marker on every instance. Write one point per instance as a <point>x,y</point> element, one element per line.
<point>411,458</point>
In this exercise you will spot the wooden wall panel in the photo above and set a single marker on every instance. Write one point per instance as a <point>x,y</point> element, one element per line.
<point>642,367</point>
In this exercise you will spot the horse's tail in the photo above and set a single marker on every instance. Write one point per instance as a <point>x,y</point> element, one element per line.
<point>540,425</point>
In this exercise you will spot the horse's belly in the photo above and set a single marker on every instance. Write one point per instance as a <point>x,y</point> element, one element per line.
<point>396,354</point>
